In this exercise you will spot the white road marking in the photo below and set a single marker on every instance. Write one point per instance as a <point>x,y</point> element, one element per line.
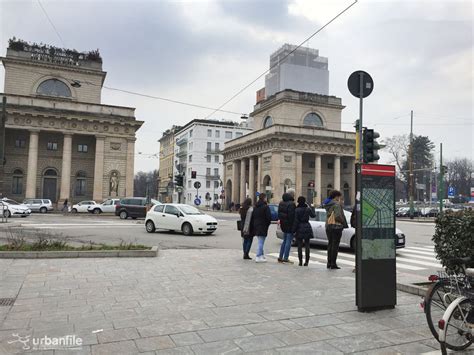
<point>410,253</point>
<point>409,250</point>
<point>426,249</point>
<point>421,262</point>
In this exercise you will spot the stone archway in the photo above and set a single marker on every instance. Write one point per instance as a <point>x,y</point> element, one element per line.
<point>267,186</point>
<point>50,184</point>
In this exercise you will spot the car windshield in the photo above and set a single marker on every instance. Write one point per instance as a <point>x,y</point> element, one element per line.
<point>11,202</point>
<point>155,202</point>
<point>190,210</point>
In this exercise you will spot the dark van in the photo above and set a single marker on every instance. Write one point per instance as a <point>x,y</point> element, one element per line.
<point>134,207</point>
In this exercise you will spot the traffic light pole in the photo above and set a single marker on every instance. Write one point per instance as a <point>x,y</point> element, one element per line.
<point>410,167</point>
<point>361,125</point>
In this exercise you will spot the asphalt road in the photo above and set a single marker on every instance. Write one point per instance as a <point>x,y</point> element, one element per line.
<point>418,256</point>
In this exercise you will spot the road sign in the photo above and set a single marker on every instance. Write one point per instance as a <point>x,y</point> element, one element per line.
<point>197,185</point>
<point>451,191</point>
<point>197,202</point>
<point>257,194</point>
<point>179,189</point>
<point>353,83</point>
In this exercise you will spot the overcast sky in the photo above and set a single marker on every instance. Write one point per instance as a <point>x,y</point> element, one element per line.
<point>419,53</point>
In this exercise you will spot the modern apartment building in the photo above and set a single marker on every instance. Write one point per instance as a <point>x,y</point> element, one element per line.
<point>198,149</point>
<point>165,180</point>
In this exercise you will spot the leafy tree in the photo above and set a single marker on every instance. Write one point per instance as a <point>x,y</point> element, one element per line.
<point>140,183</point>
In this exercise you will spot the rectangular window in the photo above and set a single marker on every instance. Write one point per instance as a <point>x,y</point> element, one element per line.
<point>216,158</point>
<point>217,147</point>
<point>17,185</point>
<point>344,165</point>
<point>20,142</point>
<point>311,164</point>
<point>209,132</point>
<point>191,146</point>
<point>190,133</point>
<point>209,145</point>
<point>330,165</point>
<point>216,184</point>
<point>208,171</point>
<point>189,171</point>
<point>190,158</point>
<point>218,133</point>
<point>208,158</point>
<point>80,187</point>
<point>82,148</point>
<point>216,171</point>
<point>228,135</point>
<point>52,146</point>
<point>208,184</point>
<point>238,134</point>
<point>189,183</point>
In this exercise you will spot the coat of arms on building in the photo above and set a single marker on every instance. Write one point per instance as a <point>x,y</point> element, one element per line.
<point>115,145</point>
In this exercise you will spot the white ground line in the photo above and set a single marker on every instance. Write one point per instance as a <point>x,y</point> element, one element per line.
<point>423,248</point>
<point>415,254</point>
<point>424,263</point>
<point>409,250</point>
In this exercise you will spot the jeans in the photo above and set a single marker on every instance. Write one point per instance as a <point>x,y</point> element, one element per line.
<point>247,244</point>
<point>286,246</point>
<point>334,238</point>
<point>261,241</point>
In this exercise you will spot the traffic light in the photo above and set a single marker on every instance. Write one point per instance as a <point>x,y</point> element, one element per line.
<point>371,146</point>
<point>178,179</point>
<point>193,174</point>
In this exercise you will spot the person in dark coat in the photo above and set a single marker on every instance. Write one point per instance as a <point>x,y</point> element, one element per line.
<point>335,223</point>
<point>286,215</point>
<point>302,228</point>
<point>247,232</point>
<point>262,218</point>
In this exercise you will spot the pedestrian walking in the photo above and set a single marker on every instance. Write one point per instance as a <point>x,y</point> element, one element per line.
<point>286,215</point>
<point>65,206</point>
<point>302,229</point>
<point>335,223</point>
<point>247,232</point>
<point>262,218</point>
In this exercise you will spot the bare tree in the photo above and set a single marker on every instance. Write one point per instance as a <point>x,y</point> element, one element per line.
<point>398,146</point>
<point>459,175</point>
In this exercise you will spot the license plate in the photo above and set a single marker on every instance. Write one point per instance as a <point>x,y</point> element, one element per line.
<point>400,240</point>
<point>211,227</point>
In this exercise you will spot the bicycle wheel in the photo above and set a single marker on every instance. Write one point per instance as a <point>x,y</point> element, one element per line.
<point>458,334</point>
<point>437,299</point>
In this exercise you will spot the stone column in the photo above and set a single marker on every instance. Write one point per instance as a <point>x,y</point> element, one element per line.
<point>252,178</point>
<point>130,167</point>
<point>259,174</point>
<point>317,179</point>
<point>276,177</point>
<point>98,193</point>
<point>32,165</point>
<point>66,168</point>
<point>243,174</point>
<point>235,181</point>
<point>337,172</point>
<point>299,175</point>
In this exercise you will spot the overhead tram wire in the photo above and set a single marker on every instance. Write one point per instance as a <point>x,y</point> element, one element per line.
<point>282,60</point>
<point>52,24</point>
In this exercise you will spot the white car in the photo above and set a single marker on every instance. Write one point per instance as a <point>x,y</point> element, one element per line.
<point>318,225</point>
<point>82,206</point>
<point>179,217</point>
<point>13,208</point>
<point>108,206</point>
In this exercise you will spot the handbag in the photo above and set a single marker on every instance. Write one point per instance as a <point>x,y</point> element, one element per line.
<point>239,225</point>
<point>331,219</point>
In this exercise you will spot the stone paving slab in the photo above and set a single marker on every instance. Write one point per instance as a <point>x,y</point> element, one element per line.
<point>200,302</point>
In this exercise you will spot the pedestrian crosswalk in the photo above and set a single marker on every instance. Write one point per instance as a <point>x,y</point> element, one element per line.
<point>409,258</point>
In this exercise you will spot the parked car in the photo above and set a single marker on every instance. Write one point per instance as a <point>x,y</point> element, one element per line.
<point>318,225</point>
<point>104,207</point>
<point>274,212</point>
<point>82,206</point>
<point>39,205</point>
<point>134,207</point>
<point>13,208</point>
<point>179,217</point>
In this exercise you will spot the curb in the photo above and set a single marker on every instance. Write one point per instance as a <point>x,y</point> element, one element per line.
<point>412,289</point>
<point>153,252</point>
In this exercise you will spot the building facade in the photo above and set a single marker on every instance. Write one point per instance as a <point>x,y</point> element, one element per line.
<point>60,141</point>
<point>198,149</point>
<point>297,142</point>
<point>303,70</point>
<point>166,168</point>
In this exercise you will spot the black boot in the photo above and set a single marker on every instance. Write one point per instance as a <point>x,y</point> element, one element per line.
<point>247,257</point>
<point>301,262</point>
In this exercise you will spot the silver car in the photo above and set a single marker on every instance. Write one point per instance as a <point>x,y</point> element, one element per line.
<point>39,205</point>
<point>318,225</point>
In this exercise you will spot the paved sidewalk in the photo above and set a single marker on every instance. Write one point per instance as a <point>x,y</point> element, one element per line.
<point>200,302</point>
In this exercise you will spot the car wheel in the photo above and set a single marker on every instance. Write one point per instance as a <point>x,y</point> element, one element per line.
<point>123,215</point>
<point>7,214</point>
<point>73,210</point>
<point>23,216</point>
<point>150,226</point>
<point>43,210</point>
<point>97,211</point>
<point>353,243</point>
<point>187,229</point>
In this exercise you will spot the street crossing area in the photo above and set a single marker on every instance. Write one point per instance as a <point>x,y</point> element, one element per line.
<point>414,258</point>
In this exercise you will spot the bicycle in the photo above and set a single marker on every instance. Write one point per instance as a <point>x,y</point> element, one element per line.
<point>444,290</point>
<point>456,327</point>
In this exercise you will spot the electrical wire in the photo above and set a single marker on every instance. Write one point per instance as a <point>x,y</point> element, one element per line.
<point>52,24</point>
<point>282,60</point>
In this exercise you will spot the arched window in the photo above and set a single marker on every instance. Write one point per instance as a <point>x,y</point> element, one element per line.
<point>50,172</point>
<point>17,182</point>
<point>329,189</point>
<point>313,119</point>
<point>54,87</point>
<point>268,122</point>
<point>80,183</point>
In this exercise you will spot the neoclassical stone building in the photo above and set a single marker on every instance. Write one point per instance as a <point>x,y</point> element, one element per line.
<point>297,142</point>
<point>60,141</point>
